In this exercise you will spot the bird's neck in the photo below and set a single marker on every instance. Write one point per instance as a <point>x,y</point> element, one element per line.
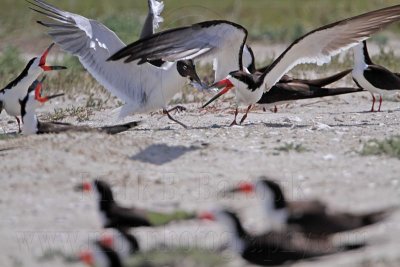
<point>361,58</point>
<point>275,209</point>
<point>237,236</point>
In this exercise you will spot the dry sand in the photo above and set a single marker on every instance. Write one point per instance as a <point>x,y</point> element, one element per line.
<point>161,166</point>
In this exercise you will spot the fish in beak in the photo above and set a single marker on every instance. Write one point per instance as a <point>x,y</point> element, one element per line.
<point>226,84</point>
<point>43,59</point>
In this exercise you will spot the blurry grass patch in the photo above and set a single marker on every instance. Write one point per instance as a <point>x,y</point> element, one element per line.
<point>126,26</point>
<point>389,147</point>
<point>177,257</point>
<point>5,137</point>
<point>288,147</point>
<point>11,64</point>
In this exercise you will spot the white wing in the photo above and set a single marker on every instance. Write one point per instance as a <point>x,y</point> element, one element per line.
<point>222,40</point>
<point>93,43</point>
<point>320,45</point>
<point>153,19</point>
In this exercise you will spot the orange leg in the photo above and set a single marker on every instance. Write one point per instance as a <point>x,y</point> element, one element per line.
<point>245,115</point>
<point>373,103</point>
<point>234,121</point>
<point>380,103</point>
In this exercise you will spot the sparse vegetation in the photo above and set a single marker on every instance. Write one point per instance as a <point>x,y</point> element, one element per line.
<point>79,113</point>
<point>288,147</point>
<point>177,257</point>
<point>389,147</point>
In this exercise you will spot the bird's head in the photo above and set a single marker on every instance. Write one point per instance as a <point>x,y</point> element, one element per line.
<point>241,80</point>
<point>187,69</point>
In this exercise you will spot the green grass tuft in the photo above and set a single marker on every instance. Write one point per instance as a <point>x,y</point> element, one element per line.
<point>299,148</point>
<point>177,257</point>
<point>389,147</point>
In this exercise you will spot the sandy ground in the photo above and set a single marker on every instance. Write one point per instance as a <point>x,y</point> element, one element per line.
<point>162,166</point>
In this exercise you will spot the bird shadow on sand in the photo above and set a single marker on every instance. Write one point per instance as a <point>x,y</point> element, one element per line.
<point>160,154</point>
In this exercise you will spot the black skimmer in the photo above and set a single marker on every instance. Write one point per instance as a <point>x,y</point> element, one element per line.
<point>313,218</point>
<point>272,248</point>
<point>375,78</point>
<point>143,87</point>
<point>15,91</point>
<point>100,255</point>
<point>224,39</point>
<point>289,89</point>
<point>31,124</point>
<point>115,216</point>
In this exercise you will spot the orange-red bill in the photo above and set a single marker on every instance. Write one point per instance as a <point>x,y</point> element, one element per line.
<point>107,240</point>
<point>206,216</point>
<point>43,99</point>
<point>86,256</point>
<point>43,59</point>
<point>226,84</point>
<point>246,188</point>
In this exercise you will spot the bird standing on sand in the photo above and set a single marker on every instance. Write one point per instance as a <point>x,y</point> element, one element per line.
<point>272,248</point>
<point>15,91</point>
<point>313,218</point>
<point>374,78</point>
<point>115,216</point>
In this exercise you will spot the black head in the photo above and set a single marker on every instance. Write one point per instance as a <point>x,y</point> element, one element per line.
<point>275,189</point>
<point>251,80</point>
<point>104,191</point>
<point>187,69</point>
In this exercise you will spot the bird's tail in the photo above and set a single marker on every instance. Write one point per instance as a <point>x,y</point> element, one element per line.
<point>378,216</point>
<point>350,247</point>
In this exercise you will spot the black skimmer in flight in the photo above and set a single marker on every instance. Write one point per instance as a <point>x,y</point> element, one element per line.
<point>99,254</point>
<point>15,91</point>
<point>375,78</point>
<point>317,47</point>
<point>272,248</point>
<point>143,87</point>
<point>312,218</point>
<point>115,216</point>
<point>32,125</point>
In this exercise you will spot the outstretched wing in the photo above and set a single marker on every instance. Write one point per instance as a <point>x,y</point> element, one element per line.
<point>93,43</point>
<point>320,45</point>
<point>222,40</point>
<point>153,19</point>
